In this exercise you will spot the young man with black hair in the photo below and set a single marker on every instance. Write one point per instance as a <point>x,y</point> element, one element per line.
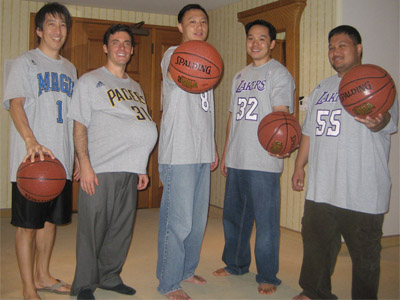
<point>348,181</point>
<point>186,155</point>
<point>37,94</point>
<point>113,135</point>
<point>253,176</point>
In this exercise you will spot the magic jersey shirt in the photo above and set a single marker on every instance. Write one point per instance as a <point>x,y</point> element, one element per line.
<point>47,85</point>
<point>187,125</point>
<point>255,91</point>
<point>347,163</point>
<point>121,133</point>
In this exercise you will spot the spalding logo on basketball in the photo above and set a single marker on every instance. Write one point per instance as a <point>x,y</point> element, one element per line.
<point>279,133</point>
<point>196,66</point>
<point>367,90</point>
<point>41,181</point>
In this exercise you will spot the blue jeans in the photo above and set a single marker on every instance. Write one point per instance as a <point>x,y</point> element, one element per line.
<point>182,222</point>
<point>249,196</point>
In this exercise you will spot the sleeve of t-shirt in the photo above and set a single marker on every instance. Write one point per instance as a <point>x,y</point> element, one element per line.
<point>18,83</point>
<point>80,108</point>
<point>308,124</point>
<point>391,127</point>
<point>283,86</point>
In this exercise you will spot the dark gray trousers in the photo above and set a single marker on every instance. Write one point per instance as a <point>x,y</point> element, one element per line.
<point>105,227</point>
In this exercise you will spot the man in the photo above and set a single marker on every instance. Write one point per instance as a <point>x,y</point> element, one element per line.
<point>37,94</point>
<point>348,180</point>
<point>113,135</point>
<point>186,155</point>
<point>253,176</point>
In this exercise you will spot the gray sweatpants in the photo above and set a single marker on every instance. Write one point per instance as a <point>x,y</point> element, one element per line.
<point>105,227</point>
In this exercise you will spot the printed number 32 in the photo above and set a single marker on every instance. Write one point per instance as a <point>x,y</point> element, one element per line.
<point>252,102</point>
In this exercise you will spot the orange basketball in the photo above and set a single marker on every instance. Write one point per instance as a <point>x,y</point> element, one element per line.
<point>367,90</point>
<point>279,133</point>
<point>41,181</point>
<point>196,66</point>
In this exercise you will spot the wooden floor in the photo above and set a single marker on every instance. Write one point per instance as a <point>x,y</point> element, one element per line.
<point>140,268</point>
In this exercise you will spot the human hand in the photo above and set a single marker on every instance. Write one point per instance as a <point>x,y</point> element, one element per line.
<point>375,124</point>
<point>33,148</point>
<point>224,169</point>
<point>298,179</point>
<point>214,164</point>
<point>143,181</point>
<point>88,180</point>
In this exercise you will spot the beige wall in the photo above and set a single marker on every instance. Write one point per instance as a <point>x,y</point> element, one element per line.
<point>228,37</point>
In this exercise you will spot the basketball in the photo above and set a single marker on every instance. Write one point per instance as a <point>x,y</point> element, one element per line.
<point>367,90</point>
<point>41,181</point>
<point>279,133</point>
<point>196,66</point>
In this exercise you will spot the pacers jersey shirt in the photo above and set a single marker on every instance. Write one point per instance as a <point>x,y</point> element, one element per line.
<point>121,133</point>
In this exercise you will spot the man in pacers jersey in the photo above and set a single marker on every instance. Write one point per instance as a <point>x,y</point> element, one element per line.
<point>186,155</point>
<point>348,180</point>
<point>37,94</point>
<point>252,175</point>
<point>113,135</point>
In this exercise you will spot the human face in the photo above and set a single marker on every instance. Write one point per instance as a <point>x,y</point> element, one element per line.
<point>194,25</point>
<point>119,49</point>
<point>259,45</point>
<point>343,53</point>
<point>53,35</point>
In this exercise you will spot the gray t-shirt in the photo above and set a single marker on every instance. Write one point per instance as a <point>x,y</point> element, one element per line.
<point>121,133</point>
<point>47,86</point>
<point>255,91</point>
<point>347,163</point>
<point>187,125</point>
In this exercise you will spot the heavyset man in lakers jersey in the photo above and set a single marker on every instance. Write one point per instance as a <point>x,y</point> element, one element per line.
<point>348,180</point>
<point>113,136</point>
<point>37,94</point>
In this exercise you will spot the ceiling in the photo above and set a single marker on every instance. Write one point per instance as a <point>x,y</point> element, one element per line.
<point>168,7</point>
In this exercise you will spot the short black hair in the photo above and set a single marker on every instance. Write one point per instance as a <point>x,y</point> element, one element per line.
<point>353,33</point>
<point>117,28</point>
<point>271,28</point>
<point>190,7</point>
<point>52,8</point>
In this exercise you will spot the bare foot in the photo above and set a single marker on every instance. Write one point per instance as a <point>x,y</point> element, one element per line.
<point>301,296</point>
<point>31,296</point>
<point>266,289</point>
<point>178,295</point>
<point>196,280</point>
<point>221,272</point>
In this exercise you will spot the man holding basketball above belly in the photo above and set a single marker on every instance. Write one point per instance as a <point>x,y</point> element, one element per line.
<point>186,155</point>
<point>348,180</point>
<point>253,176</point>
<point>38,92</point>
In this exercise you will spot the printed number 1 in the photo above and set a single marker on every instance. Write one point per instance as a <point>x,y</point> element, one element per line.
<point>59,106</point>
